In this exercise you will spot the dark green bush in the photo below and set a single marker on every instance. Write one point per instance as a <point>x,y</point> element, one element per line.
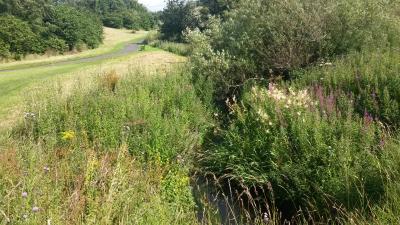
<point>4,49</point>
<point>18,38</point>
<point>113,20</point>
<point>57,44</point>
<point>75,26</point>
<point>129,14</point>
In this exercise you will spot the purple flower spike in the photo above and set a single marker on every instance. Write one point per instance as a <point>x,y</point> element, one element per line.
<point>368,119</point>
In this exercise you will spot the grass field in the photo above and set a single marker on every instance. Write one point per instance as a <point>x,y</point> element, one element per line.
<point>114,40</point>
<point>14,85</point>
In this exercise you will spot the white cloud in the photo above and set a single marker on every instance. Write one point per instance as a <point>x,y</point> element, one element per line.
<point>153,5</point>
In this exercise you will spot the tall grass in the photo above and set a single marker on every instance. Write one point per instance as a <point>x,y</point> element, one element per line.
<point>371,79</point>
<point>322,148</point>
<point>115,151</point>
<point>153,39</point>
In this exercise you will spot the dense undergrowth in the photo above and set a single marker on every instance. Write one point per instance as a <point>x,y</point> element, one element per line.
<point>306,93</point>
<point>114,152</point>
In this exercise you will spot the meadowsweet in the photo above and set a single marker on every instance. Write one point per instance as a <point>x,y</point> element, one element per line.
<point>46,169</point>
<point>29,115</point>
<point>67,135</point>
<point>287,99</point>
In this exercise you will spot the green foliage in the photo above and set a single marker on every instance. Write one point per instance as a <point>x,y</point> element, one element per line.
<point>17,37</point>
<point>313,156</point>
<point>120,147</point>
<point>102,118</point>
<point>176,48</point>
<point>370,78</point>
<point>260,39</point>
<point>218,7</point>
<point>118,13</point>
<point>113,20</point>
<point>178,16</point>
<point>32,27</point>
<point>75,26</point>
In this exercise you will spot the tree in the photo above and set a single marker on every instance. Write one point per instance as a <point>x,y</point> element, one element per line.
<point>217,7</point>
<point>180,15</point>
<point>17,38</point>
<point>75,26</point>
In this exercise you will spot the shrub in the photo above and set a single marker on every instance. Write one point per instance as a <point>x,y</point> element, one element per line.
<point>75,26</point>
<point>262,39</point>
<point>4,49</point>
<point>56,44</point>
<point>113,20</point>
<point>18,38</point>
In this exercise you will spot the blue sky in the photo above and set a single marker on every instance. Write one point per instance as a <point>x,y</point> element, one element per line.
<point>153,5</point>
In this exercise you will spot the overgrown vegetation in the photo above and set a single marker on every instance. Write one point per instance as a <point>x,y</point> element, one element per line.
<point>287,113</point>
<point>117,158</point>
<point>306,96</point>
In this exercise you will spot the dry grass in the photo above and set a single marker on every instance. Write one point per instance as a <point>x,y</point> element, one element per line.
<point>110,80</point>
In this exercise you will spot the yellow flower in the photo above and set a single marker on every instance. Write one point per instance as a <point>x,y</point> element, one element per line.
<point>68,135</point>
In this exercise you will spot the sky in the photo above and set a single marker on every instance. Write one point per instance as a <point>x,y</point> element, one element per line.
<point>153,5</point>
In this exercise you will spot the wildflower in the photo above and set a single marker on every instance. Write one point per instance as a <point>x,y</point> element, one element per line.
<point>67,135</point>
<point>382,143</point>
<point>265,218</point>
<point>46,169</point>
<point>29,115</point>
<point>25,216</point>
<point>126,128</point>
<point>299,113</point>
<point>24,194</point>
<point>368,119</point>
<point>35,209</point>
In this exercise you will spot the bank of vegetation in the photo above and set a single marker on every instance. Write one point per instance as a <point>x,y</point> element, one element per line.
<point>285,113</point>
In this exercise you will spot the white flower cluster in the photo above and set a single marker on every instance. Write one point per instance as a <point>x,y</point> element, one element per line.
<point>29,115</point>
<point>288,99</point>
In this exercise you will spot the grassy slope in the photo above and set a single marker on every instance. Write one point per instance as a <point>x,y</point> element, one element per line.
<point>14,83</point>
<point>114,40</point>
<point>89,184</point>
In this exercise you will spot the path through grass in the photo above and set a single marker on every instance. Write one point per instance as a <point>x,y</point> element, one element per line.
<point>14,84</point>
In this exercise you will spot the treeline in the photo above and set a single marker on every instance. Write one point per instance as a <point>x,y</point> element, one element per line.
<point>37,26</point>
<point>118,13</point>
